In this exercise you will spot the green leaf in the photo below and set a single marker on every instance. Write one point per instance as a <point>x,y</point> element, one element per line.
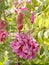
<point>41,50</point>
<point>27,14</point>
<point>29,6</point>
<point>2,57</point>
<point>29,24</point>
<point>35,2</point>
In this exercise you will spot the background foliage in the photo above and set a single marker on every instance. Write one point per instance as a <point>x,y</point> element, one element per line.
<point>39,29</point>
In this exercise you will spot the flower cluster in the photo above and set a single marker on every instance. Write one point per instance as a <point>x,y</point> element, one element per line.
<point>24,46</point>
<point>3,35</point>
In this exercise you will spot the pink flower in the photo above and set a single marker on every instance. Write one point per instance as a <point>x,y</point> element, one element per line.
<point>2,24</point>
<point>15,10</point>
<point>3,35</point>
<point>24,46</point>
<point>32,18</point>
<point>20,9</point>
<point>25,8</point>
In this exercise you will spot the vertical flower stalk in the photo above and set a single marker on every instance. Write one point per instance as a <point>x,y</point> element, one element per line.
<point>2,24</point>
<point>3,35</point>
<point>32,17</point>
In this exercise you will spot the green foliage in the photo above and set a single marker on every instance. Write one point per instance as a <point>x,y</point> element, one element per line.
<point>40,31</point>
<point>35,3</point>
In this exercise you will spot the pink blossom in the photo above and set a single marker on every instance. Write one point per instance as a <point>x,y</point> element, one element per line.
<point>21,9</point>
<point>3,35</point>
<point>32,18</point>
<point>15,10</point>
<point>2,24</point>
<point>24,46</point>
<point>25,8</point>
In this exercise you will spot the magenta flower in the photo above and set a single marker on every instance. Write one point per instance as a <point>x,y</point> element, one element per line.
<point>32,18</point>
<point>2,24</point>
<point>24,46</point>
<point>21,9</point>
<point>25,8</point>
<point>3,35</point>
